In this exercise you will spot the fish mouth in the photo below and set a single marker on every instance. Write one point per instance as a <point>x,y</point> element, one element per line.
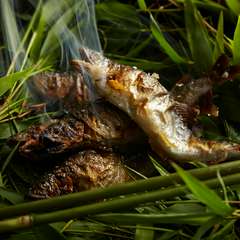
<point>91,56</point>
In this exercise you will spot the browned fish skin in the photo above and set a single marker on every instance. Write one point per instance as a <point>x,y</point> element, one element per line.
<point>67,87</point>
<point>83,128</point>
<point>83,171</point>
<point>188,90</point>
<point>53,137</point>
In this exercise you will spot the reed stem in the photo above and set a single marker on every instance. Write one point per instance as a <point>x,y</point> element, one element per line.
<point>106,206</point>
<point>77,199</point>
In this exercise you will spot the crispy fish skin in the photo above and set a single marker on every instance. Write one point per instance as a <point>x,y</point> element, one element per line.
<point>54,137</point>
<point>153,108</point>
<point>83,171</point>
<point>101,126</point>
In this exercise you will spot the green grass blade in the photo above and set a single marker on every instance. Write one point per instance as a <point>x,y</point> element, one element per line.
<point>137,49</point>
<point>11,33</point>
<point>144,64</point>
<point>7,82</point>
<point>157,33</point>
<point>231,133</point>
<point>58,30</point>
<point>236,43</point>
<point>219,44</point>
<point>198,38</point>
<point>205,227</point>
<point>234,6</point>
<point>45,232</point>
<point>227,228</point>
<point>7,161</point>
<point>136,218</point>
<point>38,27</point>
<point>162,171</point>
<point>143,234</point>
<point>204,194</point>
<point>142,5</point>
<point>12,197</point>
<point>207,4</point>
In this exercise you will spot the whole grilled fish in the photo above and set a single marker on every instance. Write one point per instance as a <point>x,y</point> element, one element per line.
<point>153,108</point>
<point>98,126</point>
<point>82,171</point>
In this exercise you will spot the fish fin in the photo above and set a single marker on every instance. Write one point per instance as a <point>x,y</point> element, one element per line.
<point>187,113</point>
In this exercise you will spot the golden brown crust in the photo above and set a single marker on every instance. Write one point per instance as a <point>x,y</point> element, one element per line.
<point>83,171</point>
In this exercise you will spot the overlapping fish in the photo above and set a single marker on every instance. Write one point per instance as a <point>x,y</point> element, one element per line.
<point>97,130</point>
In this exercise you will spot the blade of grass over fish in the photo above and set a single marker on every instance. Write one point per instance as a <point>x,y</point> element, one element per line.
<point>157,33</point>
<point>204,194</point>
<point>219,43</point>
<point>234,5</point>
<point>143,234</point>
<point>198,38</point>
<point>236,43</point>
<point>136,218</point>
<point>142,5</point>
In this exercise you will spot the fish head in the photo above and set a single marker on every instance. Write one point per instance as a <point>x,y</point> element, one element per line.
<point>95,64</point>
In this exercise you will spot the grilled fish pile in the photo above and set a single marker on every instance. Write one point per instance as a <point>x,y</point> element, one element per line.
<point>92,136</point>
<point>89,140</point>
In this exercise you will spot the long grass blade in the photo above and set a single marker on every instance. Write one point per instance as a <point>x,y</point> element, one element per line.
<point>168,49</point>
<point>236,43</point>
<point>204,194</point>
<point>198,38</point>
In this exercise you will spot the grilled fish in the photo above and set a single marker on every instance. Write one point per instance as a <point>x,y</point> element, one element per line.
<point>83,171</point>
<point>101,126</point>
<point>63,88</point>
<point>153,108</point>
<point>190,91</point>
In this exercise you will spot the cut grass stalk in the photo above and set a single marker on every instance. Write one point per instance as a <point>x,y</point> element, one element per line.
<point>77,199</point>
<point>126,202</point>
